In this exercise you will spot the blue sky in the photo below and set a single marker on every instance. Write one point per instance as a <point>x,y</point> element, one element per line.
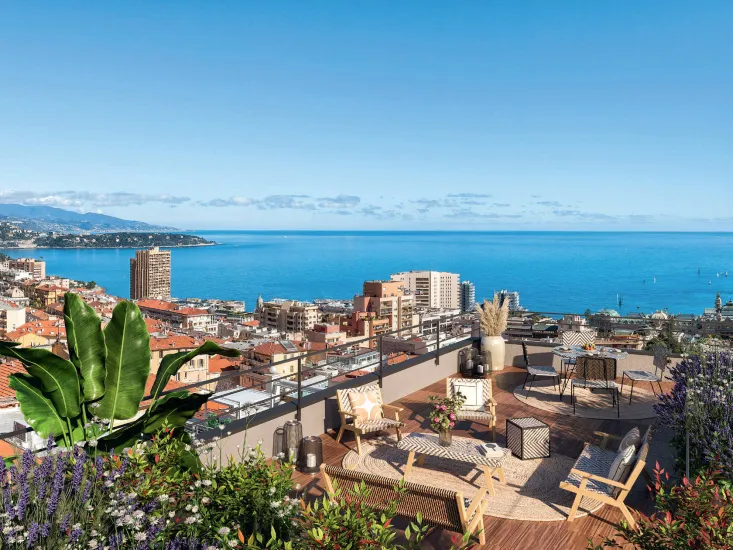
<point>372,115</point>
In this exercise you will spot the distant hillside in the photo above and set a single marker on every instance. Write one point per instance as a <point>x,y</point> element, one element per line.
<point>11,236</point>
<point>49,219</point>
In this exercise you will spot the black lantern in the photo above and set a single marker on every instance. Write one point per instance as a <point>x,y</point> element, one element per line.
<point>278,442</point>
<point>480,369</point>
<point>311,454</point>
<point>293,433</point>
<point>466,363</point>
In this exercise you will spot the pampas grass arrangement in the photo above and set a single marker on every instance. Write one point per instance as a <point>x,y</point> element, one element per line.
<point>493,316</point>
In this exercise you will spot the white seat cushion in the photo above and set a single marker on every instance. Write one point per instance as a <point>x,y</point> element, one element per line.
<point>641,376</point>
<point>473,390</point>
<point>632,438</point>
<point>621,464</point>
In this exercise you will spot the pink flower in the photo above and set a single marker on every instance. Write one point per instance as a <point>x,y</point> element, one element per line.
<point>452,416</point>
<point>437,407</point>
<point>452,424</point>
<point>443,408</point>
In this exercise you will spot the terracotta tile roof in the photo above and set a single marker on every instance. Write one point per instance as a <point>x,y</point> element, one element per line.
<point>172,341</point>
<point>252,323</point>
<point>154,325</point>
<point>51,329</point>
<point>8,367</point>
<point>37,313</point>
<point>218,363</point>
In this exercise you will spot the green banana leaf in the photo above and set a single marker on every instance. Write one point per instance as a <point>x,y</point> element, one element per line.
<point>86,344</point>
<point>58,377</point>
<point>123,437</point>
<point>37,409</point>
<point>170,364</point>
<point>127,365</point>
<point>173,410</point>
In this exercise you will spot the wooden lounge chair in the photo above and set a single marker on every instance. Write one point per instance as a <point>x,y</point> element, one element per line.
<point>441,508</point>
<point>589,477</point>
<point>351,422</point>
<point>480,405</point>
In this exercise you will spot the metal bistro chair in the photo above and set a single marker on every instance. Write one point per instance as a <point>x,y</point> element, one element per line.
<point>546,371</point>
<point>596,373</point>
<point>660,366</point>
<point>576,338</point>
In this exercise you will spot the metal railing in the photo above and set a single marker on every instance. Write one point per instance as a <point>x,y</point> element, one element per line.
<point>460,328</point>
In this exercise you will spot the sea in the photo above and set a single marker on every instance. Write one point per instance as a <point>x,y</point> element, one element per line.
<point>563,272</point>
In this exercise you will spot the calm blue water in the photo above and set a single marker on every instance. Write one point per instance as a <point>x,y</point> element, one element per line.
<point>552,271</point>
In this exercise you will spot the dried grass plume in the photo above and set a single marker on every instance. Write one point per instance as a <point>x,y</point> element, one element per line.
<point>493,316</point>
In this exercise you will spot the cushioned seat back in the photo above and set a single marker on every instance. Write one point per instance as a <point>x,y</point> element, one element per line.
<point>477,392</point>
<point>573,338</point>
<point>343,396</point>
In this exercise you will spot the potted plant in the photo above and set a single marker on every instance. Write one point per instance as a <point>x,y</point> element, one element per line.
<point>443,415</point>
<point>493,317</point>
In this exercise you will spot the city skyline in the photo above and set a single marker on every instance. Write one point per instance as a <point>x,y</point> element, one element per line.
<point>429,116</point>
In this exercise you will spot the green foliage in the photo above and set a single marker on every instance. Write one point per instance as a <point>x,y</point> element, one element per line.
<point>105,379</point>
<point>697,514</point>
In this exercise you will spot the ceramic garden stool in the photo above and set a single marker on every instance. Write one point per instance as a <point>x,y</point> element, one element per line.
<point>528,438</point>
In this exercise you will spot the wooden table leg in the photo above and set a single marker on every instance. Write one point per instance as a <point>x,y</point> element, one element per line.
<point>421,461</point>
<point>410,460</point>
<point>500,473</point>
<point>488,472</point>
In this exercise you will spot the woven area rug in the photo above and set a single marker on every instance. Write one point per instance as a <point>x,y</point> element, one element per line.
<point>531,491</point>
<point>543,395</point>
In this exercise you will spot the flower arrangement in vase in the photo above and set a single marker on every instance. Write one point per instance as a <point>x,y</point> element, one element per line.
<point>443,415</point>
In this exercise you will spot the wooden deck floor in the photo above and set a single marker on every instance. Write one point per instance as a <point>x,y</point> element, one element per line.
<point>568,435</point>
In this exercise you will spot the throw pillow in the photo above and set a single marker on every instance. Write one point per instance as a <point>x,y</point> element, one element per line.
<point>365,405</point>
<point>473,392</point>
<point>621,464</point>
<point>632,438</point>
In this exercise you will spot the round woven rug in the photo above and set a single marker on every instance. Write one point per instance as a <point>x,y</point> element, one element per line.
<point>531,491</point>
<point>543,395</point>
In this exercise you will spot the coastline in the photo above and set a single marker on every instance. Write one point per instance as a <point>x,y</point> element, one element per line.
<point>101,247</point>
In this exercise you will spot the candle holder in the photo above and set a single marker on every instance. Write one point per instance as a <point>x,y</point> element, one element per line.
<point>311,454</point>
<point>278,443</point>
<point>293,433</point>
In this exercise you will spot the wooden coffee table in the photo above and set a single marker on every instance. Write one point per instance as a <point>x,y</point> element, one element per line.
<point>462,450</point>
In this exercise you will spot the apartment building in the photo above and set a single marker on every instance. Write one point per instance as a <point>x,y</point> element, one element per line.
<point>432,289</point>
<point>12,316</point>
<point>382,307</point>
<point>290,316</point>
<point>179,318</point>
<point>512,298</point>
<point>468,296</point>
<point>328,334</point>
<point>195,370</point>
<point>37,268</point>
<point>150,274</point>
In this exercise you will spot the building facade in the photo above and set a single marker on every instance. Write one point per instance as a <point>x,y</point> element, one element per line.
<point>179,318</point>
<point>468,296</point>
<point>511,297</point>
<point>432,289</point>
<point>288,315</point>
<point>150,274</point>
<point>36,268</point>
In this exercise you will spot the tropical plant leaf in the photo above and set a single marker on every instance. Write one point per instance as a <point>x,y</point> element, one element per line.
<point>58,377</point>
<point>170,364</point>
<point>87,349</point>
<point>173,410</point>
<point>127,365</point>
<point>123,437</point>
<point>37,409</point>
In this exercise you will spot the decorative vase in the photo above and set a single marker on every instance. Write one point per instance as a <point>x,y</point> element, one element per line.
<point>444,438</point>
<point>496,347</point>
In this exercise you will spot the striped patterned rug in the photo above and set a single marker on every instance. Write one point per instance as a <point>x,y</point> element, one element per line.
<point>531,491</point>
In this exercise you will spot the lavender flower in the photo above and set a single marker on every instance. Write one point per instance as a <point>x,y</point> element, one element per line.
<point>45,529</point>
<point>24,500</point>
<point>33,532</point>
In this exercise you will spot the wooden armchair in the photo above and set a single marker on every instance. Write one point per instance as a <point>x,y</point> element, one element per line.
<point>350,420</point>
<point>480,405</point>
<point>589,476</point>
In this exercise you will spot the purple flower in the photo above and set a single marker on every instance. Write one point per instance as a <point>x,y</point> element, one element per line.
<point>45,529</point>
<point>33,532</point>
<point>65,522</point>
<point>78,472</point>
<point>24,500</point>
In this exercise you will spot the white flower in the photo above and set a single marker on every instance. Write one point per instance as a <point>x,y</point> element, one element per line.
<point>187,447</point>
<point>207,482</point>
<point>138,514</point>
<point>272,490</point>
<point>140,536</point>
<point>274,504</point>
<point>205,500</point>
<point>197,484</point>
<point>188,507</point>
<point>93,543</point>
<point>233,543</point>
<point>224,531</point>
<point>195,509</point>
<point>163,498</point>
<point>93,442</point>
<point>190,520</point>
<point>221,427</point>
<point>259,441</point>
<point>171,514</point>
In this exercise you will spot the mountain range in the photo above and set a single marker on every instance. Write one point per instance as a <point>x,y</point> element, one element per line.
<point>46,219</point>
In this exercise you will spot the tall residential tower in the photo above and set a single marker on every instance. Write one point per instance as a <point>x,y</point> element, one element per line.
<point>432,289</point>
<point>468,296</point>
<point>150,274</point>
